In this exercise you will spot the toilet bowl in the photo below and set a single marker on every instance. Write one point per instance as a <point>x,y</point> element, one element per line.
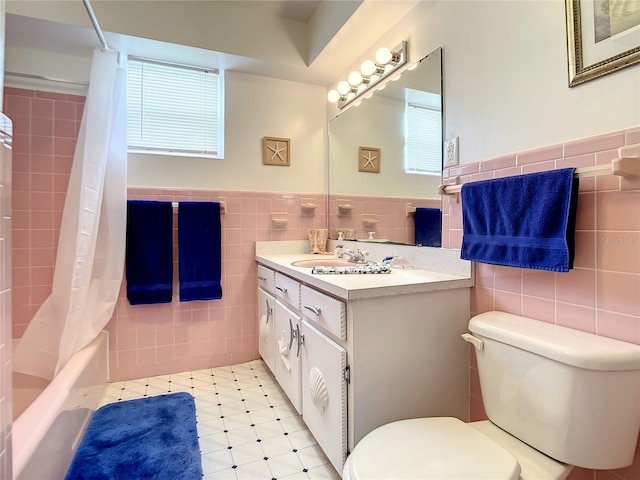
<point>555,398</point>
<point>446,448</point>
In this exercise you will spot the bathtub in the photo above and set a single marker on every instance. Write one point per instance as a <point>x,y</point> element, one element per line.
<point>51,417</point>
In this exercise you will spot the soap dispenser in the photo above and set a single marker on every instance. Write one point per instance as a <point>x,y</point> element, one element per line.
<point>339,247</point>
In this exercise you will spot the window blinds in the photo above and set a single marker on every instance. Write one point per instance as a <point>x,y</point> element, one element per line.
<point>424,139</point>
<point>172,108</point>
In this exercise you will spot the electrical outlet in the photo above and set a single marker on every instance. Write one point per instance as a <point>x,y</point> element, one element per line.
<point>451,152</point>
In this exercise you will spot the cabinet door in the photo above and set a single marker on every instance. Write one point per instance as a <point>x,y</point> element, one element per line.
<point>288,353</point>
<point>267,328</point>
<point>324,393</point>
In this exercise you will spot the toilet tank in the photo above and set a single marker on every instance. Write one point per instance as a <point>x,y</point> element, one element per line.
<point>569,394</point>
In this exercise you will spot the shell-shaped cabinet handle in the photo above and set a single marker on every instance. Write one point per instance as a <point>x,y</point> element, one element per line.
<point>318,388</point>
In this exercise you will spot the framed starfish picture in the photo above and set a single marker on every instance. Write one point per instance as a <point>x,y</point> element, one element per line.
<point>276,151</point>
<point>369,159</point>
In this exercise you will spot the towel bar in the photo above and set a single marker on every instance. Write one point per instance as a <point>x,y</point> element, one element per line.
<point>627,168</point>
<point>220,201</point>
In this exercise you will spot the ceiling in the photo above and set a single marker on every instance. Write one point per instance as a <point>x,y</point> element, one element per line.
<point>309,41</point>
<point>300,10</point>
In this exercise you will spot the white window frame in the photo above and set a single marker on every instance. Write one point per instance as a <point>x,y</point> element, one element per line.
<point>215,112</point>
<point>435,148</point>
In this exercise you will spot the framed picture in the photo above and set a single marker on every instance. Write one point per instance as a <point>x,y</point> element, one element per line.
<point>369,159</point>
<point>276,151</point>
<point>603,36</point>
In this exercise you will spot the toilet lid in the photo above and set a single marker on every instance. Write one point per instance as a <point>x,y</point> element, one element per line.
<point>430,448</point>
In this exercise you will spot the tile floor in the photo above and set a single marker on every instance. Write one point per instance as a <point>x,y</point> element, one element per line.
<point>247,427</point>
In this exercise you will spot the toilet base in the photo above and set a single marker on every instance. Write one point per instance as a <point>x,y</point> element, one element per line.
<point>534,464</point>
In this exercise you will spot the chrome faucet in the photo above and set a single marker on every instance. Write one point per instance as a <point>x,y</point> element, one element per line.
<point>354,257</point>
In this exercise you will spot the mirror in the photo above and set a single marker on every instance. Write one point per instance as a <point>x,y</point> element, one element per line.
<point>362,200</point>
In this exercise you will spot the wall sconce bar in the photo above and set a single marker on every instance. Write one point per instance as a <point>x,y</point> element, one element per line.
<point>371,75</point>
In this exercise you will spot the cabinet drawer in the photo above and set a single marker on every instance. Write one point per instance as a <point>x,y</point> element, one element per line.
<point>288,290</point>
<point>325,311</point>
<point>266,278</point>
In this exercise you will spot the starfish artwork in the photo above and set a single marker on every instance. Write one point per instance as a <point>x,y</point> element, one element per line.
<point>277,151</point>
<point>369,160</point>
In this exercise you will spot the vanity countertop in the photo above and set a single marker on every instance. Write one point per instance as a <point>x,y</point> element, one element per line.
<point>357,287</point>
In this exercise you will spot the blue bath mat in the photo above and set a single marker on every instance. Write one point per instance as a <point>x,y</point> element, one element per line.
<point>149,438</point>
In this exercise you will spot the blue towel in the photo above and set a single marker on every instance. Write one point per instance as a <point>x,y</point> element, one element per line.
<point>523,221</point>
<point>199,251</point>
<point>149,255</point>
<point>428,227</point>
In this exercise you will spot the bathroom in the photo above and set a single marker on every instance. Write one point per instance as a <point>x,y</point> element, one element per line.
<point>495,55</point>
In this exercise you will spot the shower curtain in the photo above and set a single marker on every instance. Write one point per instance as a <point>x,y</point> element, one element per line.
<point>90,257</point>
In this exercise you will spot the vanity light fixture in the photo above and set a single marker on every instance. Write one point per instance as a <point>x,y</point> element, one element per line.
<point>371,73</point>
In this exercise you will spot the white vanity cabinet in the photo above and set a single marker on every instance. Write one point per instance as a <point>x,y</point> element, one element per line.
<point>279,337</point>
<point>375,349</point>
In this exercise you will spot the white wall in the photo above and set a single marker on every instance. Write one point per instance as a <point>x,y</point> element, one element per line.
<point>255,107</point>
<point>505,76</point>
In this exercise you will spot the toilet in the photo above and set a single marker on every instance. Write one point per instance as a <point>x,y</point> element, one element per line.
<point>555,397</point>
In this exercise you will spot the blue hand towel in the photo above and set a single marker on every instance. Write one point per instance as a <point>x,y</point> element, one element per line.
<point>199,251</point>
<point>523,221</point>
<point>149,255</point>
<point>428,227</point>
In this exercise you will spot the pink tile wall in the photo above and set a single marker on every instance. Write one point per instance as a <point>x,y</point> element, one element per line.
<point>145,340</point>
<point>601,294</point>
<point>393,222</point>
<point>159,339</point>
<point>45,133</point>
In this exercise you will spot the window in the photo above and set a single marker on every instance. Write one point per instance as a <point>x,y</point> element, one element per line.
<point>424,139</point>
<point>173,109</point>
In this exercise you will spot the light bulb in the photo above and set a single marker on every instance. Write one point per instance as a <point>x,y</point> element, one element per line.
<point>333,96</point>
<point>383,55</point>
<point>396,78</point>
<point>343,87</point>
<point>368,67</point>
<point>355,78</point>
